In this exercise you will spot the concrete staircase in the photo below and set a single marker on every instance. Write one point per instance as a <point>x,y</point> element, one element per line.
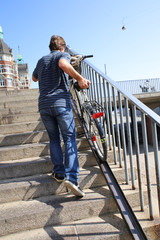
<point>32,204</point>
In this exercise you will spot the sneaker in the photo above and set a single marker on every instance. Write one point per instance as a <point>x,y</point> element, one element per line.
<point>75,189</point>
<point>57,177</point>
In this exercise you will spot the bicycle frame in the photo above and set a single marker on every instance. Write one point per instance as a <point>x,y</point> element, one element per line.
<point>87,114</point>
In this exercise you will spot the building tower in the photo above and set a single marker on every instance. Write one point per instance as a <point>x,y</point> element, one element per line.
<point>23,72</point>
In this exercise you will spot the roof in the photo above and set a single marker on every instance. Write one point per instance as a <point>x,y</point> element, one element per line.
<point>4,49</point>
<point>141,85</point>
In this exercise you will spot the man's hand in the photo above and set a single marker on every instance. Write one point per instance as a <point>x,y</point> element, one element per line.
<point>84,83</point>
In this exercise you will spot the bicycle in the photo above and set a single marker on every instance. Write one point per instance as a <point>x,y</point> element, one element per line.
<point>88,112</point>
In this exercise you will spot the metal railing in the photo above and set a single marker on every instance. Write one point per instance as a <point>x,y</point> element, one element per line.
<point>131,129</point>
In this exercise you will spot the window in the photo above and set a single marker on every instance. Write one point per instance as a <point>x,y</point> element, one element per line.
<point>23,83</point>
<point>8,69</point>
<point>7,58</point>
<point>9,81</point>
<point>0,58</point>
<point>1,68</point>
<point>2,82</point>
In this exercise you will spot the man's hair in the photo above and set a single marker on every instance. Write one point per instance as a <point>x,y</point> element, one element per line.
<point>57,43</point>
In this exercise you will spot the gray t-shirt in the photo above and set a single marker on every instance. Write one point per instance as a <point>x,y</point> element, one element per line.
<point>53,81</point>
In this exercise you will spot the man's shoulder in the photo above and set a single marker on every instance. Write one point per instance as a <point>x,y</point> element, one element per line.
<point>46,56</point>
<point>65,55</point>
<point>55,55</point>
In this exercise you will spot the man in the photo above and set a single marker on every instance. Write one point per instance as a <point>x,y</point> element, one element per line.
<point>54,104</point>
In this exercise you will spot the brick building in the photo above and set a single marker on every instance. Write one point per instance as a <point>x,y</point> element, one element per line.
<point>13,75</point>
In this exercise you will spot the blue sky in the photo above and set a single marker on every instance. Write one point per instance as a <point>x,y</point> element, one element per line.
<point>89,27</point>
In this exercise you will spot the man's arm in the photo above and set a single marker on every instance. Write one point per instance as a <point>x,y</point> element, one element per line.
<point>34,79</point>
<point>67,68</point>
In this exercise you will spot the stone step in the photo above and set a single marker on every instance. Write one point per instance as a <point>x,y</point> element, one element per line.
<point>18,104</point>
<point>23,138</point>
<point>19,118</point>
<point>33,150</point>
<point>57,209</point>
<point>14,93</point>
<point>19,110</point>
<point>18,98</point>
<point>21,127</point>
<point>38,165</point>
<point>27,188</point>
<point>151,228</point>
<point>106,227</point>
<point>26,127</point>
<point>31,187</point>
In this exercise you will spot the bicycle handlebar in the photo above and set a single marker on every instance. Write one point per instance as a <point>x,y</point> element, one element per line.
<point>76,61</point>
<point>78,58</point>
<point>87,56</point>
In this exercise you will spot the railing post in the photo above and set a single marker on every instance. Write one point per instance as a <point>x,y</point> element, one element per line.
<point>94,86</point>
<point>91,80</point>
<point>155,146</point>
<point>117,127</point>
<point>107,115</point>
<point>145,144</point>
<point>123,138</point>
<point>137,157</point>
<point>130,144</point>
<point>112,125</point>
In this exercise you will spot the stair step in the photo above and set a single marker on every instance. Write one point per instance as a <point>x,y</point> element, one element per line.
<point>19,93</point>
<point>23,138</point>
<point>18,103</point>
<point>30,187</point>
<point>25,127</point>
<point>18,98</point>
<point>20,110</point>
<point>18,118</point>
<point>106,227</point>
<point>151,228</point>
<point>56,209</point>
<point>38,165</point>
<point>21,127</point>
<point>34,150</point>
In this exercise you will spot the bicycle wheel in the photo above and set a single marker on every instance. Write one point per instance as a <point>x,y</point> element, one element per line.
<point>76,100</point>
<point>77,103</point>
<point>80,98</point>
<point>95,130</point>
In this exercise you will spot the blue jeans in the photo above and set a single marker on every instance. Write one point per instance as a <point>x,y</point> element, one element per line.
<point>56,120</point>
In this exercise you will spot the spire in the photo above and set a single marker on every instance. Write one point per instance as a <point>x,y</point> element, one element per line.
<point>1,33</point>
<point>19,58</point>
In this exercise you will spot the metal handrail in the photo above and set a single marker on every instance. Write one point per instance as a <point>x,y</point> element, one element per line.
<point>142,107</point>
<point>125,136</point>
